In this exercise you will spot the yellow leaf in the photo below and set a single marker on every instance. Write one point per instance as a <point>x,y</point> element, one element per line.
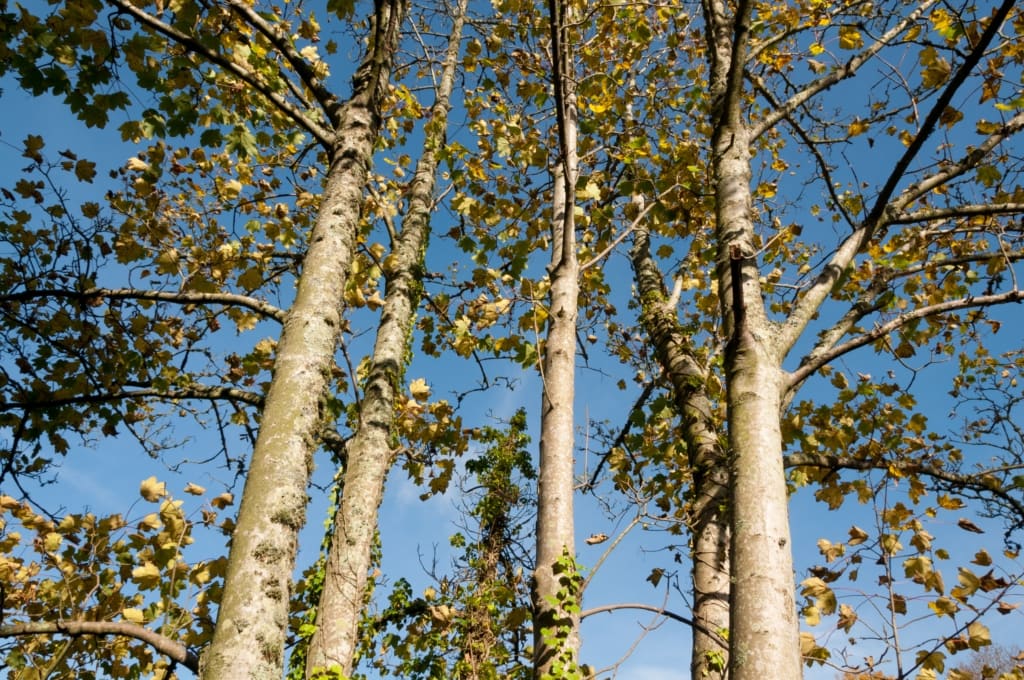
<point>152,490</point>
<point>52,541</point>
<point>201,575</point>
<point>132,614</point>
<point>194,489</point>
<point>147,576</point>
<point>858,127</point>
<point>150,521</point>
<point>857,535</point>
<point>816,49</point>
<point>936,68</point>
<point>978,636</point>
<point>850,38</point>
<point>931,661</point>
<point>419,389</point>
<point>231,189</point>
<point>950,503</point>
<point>592,190</point>
<point>137,164</point>
<point>847,617</point>
<point>982,558</point>
<point>222,501</point>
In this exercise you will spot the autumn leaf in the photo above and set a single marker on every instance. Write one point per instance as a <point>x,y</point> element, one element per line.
<point>978,635</point>
<point>858,127</point>
<point>968,525</point>
<point>850,38</point>
<point>222,501</point>
<point>194,489</point>
<point>419,389</point>
<point>147,576</point>
<point>857,536</point>
<point>152,490</point>
<point>134,615</point>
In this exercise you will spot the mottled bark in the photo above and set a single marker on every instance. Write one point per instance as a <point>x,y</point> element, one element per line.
<point>708,516</point>
<point>253,615</point>
<point>370,451</point>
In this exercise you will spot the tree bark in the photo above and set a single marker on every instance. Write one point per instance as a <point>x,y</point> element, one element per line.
<point>253,616</point>
<point>763,633</point>
<point>555,583</point>
<point>370,451</point>
<point>708,516</point>
<point>556,552</point>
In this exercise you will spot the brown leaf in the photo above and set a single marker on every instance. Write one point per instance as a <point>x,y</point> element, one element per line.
<point>968,525</point>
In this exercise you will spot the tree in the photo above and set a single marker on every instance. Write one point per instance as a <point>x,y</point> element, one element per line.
<point>556,579</point>
<point>473,622</point>
<point>370,451</point>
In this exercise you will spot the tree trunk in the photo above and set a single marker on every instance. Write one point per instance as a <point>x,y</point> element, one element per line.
<point>555,584</point>
<point>763,633</point>
<point>253,617</point>
<point>708,517</point>
<point>370,451</point>
<point>556,627</point>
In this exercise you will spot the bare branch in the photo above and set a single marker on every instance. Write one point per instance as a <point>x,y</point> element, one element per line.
<point>931,120</point>
<point>934,214</point>
<point>90,295</point>
<point>170,648</point>
<point>971,160</point>
<point>193,392</point>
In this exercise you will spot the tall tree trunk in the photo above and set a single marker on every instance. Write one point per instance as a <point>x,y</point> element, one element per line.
<point>555,583</point>
<point>556,625</point>
<point>253,617</point>
<point>763,632</point>
<point>370,451</point>
<point>709,518</point>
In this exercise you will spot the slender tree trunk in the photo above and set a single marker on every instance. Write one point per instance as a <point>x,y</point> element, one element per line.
<point>709,518</point>
<point>253,616</point>
<point>763,633</point>
<point>556,629</point>
<point>555,584</point>
<point>370,451</point>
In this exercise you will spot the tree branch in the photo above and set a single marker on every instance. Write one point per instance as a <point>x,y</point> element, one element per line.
<point>169,648</point>
<point>194,392</point>
<point>812,364</point>
<point>931,120</point>
<point>883,211</point>
<point>845,71</point>
<point>182,298</point>
<point>323,135</point>
<point>324,96</point>
<point>976,482</point>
